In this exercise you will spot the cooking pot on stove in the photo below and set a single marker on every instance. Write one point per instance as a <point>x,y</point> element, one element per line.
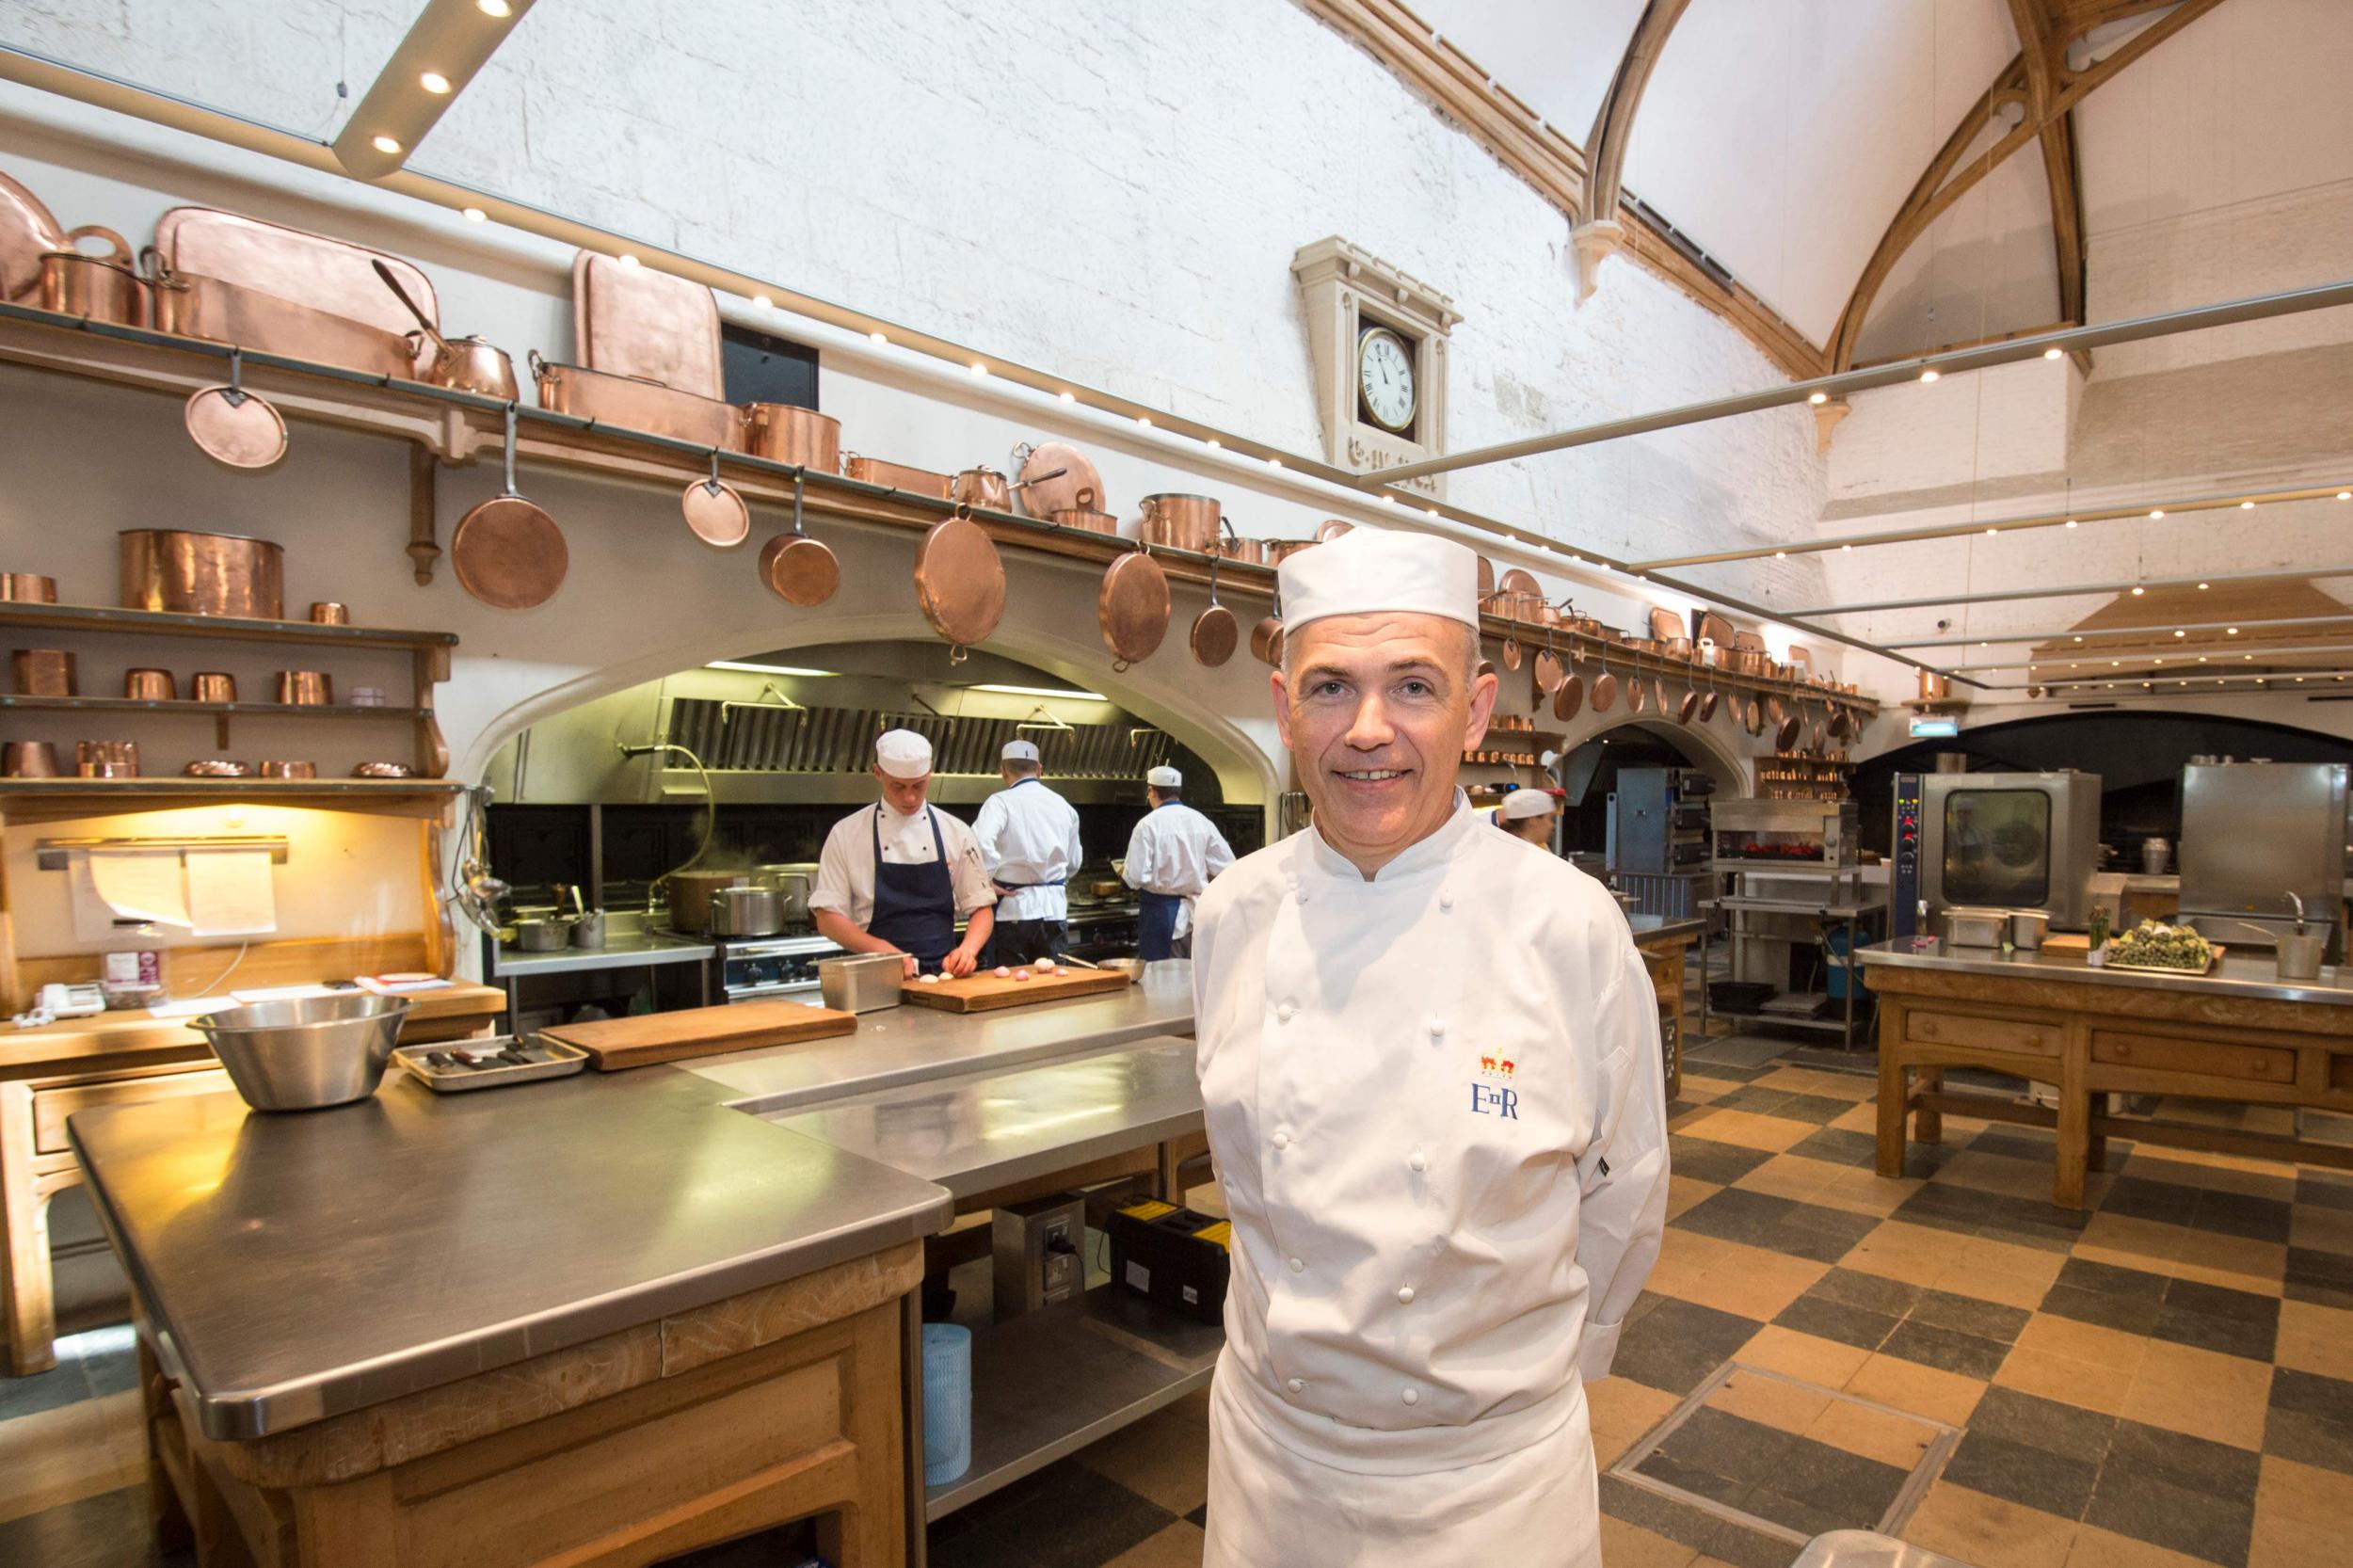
<point>746,912</point>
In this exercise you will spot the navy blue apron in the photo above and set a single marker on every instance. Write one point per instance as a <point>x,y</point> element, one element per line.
<point>915,906</point>
<point>1156,925</point>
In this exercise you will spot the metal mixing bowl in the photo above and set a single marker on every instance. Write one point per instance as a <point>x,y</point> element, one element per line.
<point>308,1053</point>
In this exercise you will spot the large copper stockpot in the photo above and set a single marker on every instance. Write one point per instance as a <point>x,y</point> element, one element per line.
<point>785,433</point>
<point>203,575</point>
<point>1181,521</point>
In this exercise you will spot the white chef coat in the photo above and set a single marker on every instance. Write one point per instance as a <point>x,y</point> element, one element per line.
<point>845,867</point>
<point>1030,834</point>
<point>1437,1107</point>
<point>1176,850</point>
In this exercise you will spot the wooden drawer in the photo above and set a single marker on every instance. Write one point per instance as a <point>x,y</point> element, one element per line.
<point>1958,1029</point>
<point>50,1107</point>
<point>2254,1063</point>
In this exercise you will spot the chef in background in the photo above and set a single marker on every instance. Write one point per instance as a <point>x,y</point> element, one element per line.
<point>1429,1066</point>
<point>1029,839</point>
<point>1172,856</point>
<point>1529,814</point>
<point>895,877</point>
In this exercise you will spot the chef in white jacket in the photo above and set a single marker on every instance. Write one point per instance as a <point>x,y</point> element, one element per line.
<point>1528,815</point>
<point>1172,854</point>
<point>1030,846</point>
<point>1430,1065</point>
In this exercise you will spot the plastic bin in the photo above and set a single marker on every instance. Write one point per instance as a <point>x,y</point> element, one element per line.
<point>946,1402</point>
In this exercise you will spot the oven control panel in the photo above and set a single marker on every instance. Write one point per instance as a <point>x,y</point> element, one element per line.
<point>1903,890</point>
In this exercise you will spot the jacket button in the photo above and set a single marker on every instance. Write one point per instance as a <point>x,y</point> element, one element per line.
<point>1437,1026</point>
<point>1282,1140</point>
<point>1298,1265</point>
<point>1285,1011</point>
<point>1445,901</point>
<point>1404,1295</point>
<point>1411,1396</point>
<point>1417,1161</point>
<point>1296,1386</point>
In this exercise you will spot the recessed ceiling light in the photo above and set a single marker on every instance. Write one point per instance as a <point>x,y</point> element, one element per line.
<point>761,302</point>
<point>2344,495</point>
<point>1818,398</point>
<point>2053,353</point>
<point>1929,376</point>
<point>2203,587</point>
<point>433,81</point>
<point>879,338</point>
<point>1274,462</point>
<point>1846,547</point>
<point>2234,631</point>
<point>384,144</point>
<point>2246,505</point>
<point>2156,511</point>
<point>1212,443</point>
<point>1388,500</point>
<point>628,259</point>
<point>494,8</point>
<point>1068,397</point>
<point>1144,421</point>
<point>2180,633</point>
<point>2138,591</point>
<point>979,369</point>
<point>1991,530</point>
<point>2070,522</point>
<point>1781,555</point>
<point>474,215</point>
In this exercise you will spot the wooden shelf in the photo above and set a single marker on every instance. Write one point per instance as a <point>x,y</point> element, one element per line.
<point>222,710</point>
<point>101,617</point>
<point>49,799</point>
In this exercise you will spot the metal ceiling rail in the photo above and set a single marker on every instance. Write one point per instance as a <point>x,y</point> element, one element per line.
<point>1996,596</point>
<point>2145,511</point>
<point>2180,654</point>
<point>160,109</point>
<point>2172,685</point>
<point>2122,633</point>
<point>2042,345</point>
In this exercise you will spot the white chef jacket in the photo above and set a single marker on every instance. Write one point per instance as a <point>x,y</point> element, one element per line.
<point>845,867</point>
<point>1176,850</point>
<point>1437,1106</point>
<point>1030,834</point>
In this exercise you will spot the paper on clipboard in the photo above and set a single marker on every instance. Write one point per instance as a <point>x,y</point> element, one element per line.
<point>230,892</point>
<point>118,888</point>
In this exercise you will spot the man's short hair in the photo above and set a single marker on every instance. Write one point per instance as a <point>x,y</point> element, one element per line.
<point>1021,768</point>
<point>1167,792</point>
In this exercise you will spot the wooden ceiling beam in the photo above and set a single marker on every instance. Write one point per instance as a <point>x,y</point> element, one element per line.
<point>1613,126</point>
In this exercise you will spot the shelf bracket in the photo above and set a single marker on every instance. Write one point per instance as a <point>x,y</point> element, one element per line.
<point>425,546</point>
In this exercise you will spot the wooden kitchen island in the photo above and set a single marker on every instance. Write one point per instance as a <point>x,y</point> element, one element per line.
<point>2237,1033</point>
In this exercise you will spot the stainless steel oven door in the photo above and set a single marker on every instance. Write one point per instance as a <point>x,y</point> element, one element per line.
<point>2021,841</point>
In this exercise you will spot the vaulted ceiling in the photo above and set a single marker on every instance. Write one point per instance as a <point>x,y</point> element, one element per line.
<point>1860,180</point>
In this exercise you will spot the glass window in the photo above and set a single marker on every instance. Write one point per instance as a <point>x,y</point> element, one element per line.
<point>1997,847</point>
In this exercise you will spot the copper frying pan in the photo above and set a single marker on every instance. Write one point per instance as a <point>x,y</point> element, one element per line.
<point>960,581</point>
<point>1549,671</point>
<point>797,568</point>
<point>1214,630</point>
<point>1707,703</point>
<point>1132,608</point>
<point>1637,693</point>
<point>1785,735</point>
<point>716,511</point>
<point>1605,689</point>
<point>1569,699</point>
<point>508,551</point>
<point>1266,638</point>
<point>240,428</point>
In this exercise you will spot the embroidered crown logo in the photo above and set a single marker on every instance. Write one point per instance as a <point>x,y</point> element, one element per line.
<point>1498,1067</point>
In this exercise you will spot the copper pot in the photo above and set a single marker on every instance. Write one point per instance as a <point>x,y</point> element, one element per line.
<point>1088,519</point>
<point>1935,687</point>
<point>1181,521</point>
<point>217,767</point>
<point>203,575</point>
<point>785,433</point>
<point>105,288</point>
<point>1675,648</point>
<point>325,612</point>
<point>690,896</point>
<point>1280,550</point>
<point>29,760</point>
<point>306,688</point>
<point>26,587</point>
<point>149,685</point>
<point>290,770</point>
<point>474,364</point>
<point>212,686</point>
<point>44,672</point>
<point>1248,551</point>
<point>106,759</point>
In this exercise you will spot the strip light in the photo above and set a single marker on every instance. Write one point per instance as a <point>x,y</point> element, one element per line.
<point>450,42</point>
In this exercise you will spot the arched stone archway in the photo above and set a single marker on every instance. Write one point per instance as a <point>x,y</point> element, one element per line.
<point>1698,743</point>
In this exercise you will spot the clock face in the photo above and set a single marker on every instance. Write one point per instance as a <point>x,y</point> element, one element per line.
<point>1384,378</point>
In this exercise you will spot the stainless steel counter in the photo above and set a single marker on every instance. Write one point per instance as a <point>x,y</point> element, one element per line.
<point>977,1133</point>
<point>617,953</point>
<point>914,1045</point>
<point>1649,929</point>
<point>2253,978</point>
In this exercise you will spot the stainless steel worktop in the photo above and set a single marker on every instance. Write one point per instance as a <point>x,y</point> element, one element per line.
<point>620,951</point>
<point>1664,928</point>
<point>2255,978</point>
<point>914,1045</point>
<point>986,1131</point>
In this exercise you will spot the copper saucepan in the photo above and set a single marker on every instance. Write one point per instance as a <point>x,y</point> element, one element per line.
<point>797,568</point>
<point>1177,522</point>
<point>103,287</point>
<point>28,587</point>
<point>990,490</point>
<point>29,760</point>
<point>464,364</point>
<point>508,551</point>
<point>786,433</point>
<point>1084,515</point>
<point>149,685</point>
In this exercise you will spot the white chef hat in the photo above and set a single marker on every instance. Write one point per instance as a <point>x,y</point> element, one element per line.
<point>1373,570</point>
<point>1522,804</point>
<point>1165,778</point>
<point>1018,751</point>
<point>902,754</point>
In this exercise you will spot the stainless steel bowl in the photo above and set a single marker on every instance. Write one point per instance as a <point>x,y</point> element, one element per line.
<point>309,1053</point>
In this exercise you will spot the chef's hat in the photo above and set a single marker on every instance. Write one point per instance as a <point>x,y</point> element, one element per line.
<point>1018,751</point>
<point>1368,570</point>
<point>902,754</point>
<point>1522,804</point>
<point>1165,778</point>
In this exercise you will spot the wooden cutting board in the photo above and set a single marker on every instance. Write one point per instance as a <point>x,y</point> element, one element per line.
<point>983,992</point>
<point>614,1044</point>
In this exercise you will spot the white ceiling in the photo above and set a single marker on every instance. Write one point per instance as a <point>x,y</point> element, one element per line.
<point>1556,56</point>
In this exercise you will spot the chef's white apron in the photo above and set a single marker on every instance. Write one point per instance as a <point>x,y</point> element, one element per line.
<point>1272,1506</point>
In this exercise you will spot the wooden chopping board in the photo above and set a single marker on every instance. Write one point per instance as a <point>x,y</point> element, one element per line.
<point>614,1044</point>
<point>983,992</point>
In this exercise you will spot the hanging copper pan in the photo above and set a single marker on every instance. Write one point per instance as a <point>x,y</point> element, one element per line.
<point>1688,706</point>
<point>1132,608</point>
<point>1637,694</point>
<point>1605,689</point>
<point>1569,699</point>
<point>1659,692</point>
<point>1707,704</point>
<point>1549,670</point>
<point>1753,718</point>
<point>1215,633</point>
<point>1786,736</point>
<point>1817,745</point>
<point>1487,580</point>
<point>1841,721</point>
<point>235,426</point>
<point>960,581</point>
<point>1266,638</point>
<point>507,553</point>
<point>716,511</point>
<point>797,568</point>
<point>1775,710</point>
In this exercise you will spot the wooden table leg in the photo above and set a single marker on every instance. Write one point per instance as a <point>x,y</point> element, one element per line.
<point>31,1317</point>
<point>1894,1091</point>
<point>173,1530</point>
<point>2074,1118</point>
<point>1927,1125</point>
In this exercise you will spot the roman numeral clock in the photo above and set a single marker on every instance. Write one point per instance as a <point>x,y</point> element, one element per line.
<point>1379,339</point>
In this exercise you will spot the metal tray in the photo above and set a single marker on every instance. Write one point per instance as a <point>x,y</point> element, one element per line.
<point>562,1062</point>
<point>2167,968</point>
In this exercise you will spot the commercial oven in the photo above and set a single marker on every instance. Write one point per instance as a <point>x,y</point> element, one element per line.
<point>2002,840</point>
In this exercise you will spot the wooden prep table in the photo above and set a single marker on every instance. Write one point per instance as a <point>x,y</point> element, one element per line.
<point>47,1074</point>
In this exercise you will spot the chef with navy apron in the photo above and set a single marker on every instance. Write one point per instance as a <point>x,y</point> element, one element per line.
<point>1430,1072</point>
<point>1172,856</point>
<point>1029,839</point>
<point>896,876</point>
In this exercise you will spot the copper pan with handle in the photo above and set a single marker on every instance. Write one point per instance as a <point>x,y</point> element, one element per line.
<point>1132,607</point>
<point>960,581</point>
<point>508,551</point>
<point>797,568</point>
<point>1215,633</point>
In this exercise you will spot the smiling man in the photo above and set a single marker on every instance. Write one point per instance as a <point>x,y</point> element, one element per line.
<point>1431,1065</point>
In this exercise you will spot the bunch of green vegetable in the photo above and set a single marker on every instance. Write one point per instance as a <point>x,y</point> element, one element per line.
<point>2154,945</point>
